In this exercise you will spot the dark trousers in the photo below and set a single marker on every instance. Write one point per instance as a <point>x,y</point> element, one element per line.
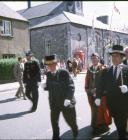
<point>70,117</point>
<point>120,121</point>
<point>32,94</point>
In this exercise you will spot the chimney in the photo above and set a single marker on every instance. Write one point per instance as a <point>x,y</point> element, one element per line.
<point>103,19</point>
<point>29,4</point>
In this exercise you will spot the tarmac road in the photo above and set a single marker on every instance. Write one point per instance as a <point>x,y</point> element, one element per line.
<point>17,123</point>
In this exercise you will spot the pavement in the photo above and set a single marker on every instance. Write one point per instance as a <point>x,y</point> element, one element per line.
<point>8,86</point>
<point>16,123</point>
<point>15,85</point>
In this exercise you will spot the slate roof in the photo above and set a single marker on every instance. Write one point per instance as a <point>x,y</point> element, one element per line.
<point>84,21</point>
<point>7,12</point>
<point>66,17</point>
<point>56,19</point>
<point>39,10</point>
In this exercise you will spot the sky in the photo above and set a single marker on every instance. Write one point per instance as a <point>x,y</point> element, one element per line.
<point>90,8</point>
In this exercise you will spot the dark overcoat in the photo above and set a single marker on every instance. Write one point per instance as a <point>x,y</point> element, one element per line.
<point>60,87</point>
<point>116,100</point>
<point>31,74</point>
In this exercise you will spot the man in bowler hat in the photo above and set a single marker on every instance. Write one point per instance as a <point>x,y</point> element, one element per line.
<point>31,79</point>
<point>114,81</point>
<point>61,96</point>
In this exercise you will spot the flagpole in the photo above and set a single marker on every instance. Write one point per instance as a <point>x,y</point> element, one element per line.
<point>111,24</point>
<point>93,28</point>
<point>111,17</point>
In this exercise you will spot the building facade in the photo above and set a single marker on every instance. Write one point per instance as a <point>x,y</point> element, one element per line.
<point>61,28</point>
<point>14,33</point>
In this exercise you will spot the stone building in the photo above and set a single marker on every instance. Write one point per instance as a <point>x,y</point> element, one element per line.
<point>14,33</point>
<point>61,28</point>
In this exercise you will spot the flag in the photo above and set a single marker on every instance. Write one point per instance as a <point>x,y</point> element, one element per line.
<point>116,9</point>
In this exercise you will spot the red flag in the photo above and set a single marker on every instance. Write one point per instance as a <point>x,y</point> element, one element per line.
<point>116,9</point>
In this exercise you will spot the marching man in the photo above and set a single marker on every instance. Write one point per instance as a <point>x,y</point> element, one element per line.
<point>114,81</point>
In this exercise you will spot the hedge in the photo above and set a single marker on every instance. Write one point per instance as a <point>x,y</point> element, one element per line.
<point>6,69</point>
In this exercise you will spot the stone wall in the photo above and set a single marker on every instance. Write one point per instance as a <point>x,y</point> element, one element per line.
<point>50,40</point>
<point>66,38</point>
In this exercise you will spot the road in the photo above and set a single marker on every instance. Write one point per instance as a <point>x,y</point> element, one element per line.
<point>17,123</point>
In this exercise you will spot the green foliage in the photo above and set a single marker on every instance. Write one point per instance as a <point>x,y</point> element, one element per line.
<point>6,68</point>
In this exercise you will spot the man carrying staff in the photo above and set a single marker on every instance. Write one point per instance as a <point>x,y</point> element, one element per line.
<point>114,81</point>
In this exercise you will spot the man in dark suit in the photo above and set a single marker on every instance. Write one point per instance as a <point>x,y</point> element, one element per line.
<point>31,79</point>
<point>114,81</point>
<point>125,61</point>
<point>61,96</point>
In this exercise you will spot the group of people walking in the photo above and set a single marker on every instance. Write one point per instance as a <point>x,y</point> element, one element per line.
<point>106,88</point>
<point>28,75</point>
<point>74,65</point>
<point>107,91</point>
<point>100,116</point>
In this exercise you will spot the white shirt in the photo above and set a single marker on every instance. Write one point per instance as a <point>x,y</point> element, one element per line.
<point>95,67</point>
<point>118,70</point>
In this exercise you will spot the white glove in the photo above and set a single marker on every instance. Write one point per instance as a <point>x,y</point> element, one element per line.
<point>67,102</point>
<point>43,85</point>
<point>39,83</point>
<point>94,92</point>
<point>124,88</point>
<point>97,102</point>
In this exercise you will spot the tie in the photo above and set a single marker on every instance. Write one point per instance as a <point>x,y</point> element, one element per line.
<point>115,72</point>
<point>94,69</point>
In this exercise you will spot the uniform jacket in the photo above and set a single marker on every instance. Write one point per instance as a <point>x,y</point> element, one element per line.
<point>92,78</point>
<point>18,71</point>
<point>31,73</point>
<point>116,100</point>
<point>60,87</point>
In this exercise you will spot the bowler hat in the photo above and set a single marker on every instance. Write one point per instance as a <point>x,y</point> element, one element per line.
<point>117,49</point>
<point>51,59</point>
<point>29,53</point>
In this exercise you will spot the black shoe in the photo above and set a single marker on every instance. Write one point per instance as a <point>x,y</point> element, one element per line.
<point>17,96</point>
<point>25,98</point>
<point>32,110</point>
<point>100,131</point>
<point>56,138</point>
<point>95,133</point>
<point>104,129</point>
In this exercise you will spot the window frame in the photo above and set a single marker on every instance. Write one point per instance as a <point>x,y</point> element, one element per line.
<point>6,27</point>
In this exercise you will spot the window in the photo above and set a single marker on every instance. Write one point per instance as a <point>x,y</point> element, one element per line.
<point>78,3</point>
<point>47,47</point>
<point>8,55</point>
<point>6,28</point>
<point>78,37</point>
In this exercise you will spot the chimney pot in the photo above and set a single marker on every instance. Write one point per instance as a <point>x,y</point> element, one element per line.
<point>29,4</point>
